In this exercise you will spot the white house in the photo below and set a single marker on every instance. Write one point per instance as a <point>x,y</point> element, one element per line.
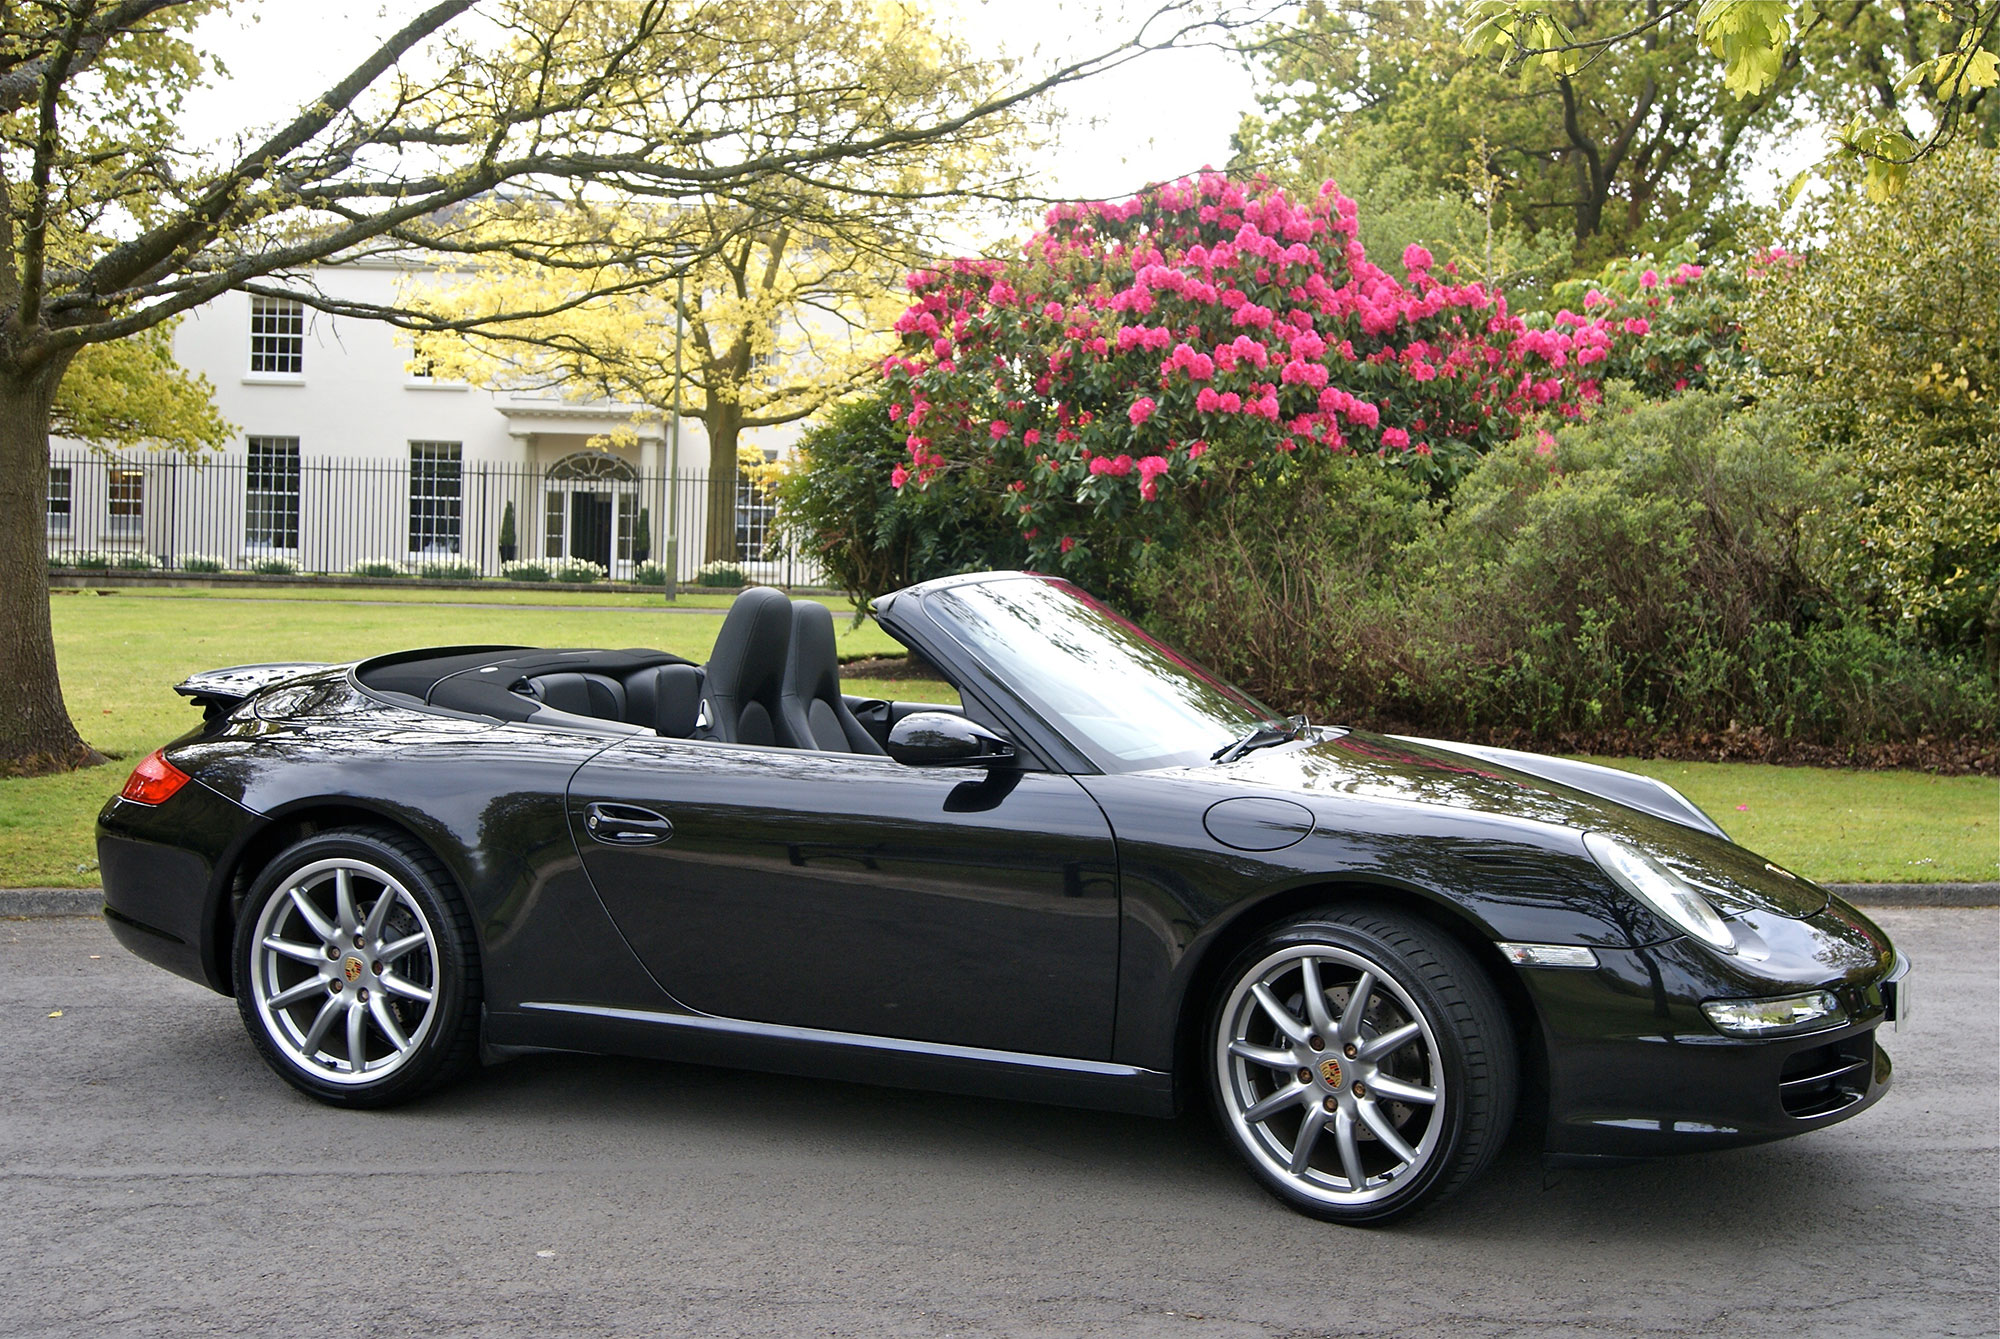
<point>345,455</point>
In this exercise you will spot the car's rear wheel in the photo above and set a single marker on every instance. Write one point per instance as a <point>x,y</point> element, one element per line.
<point>1362,1064</point>
<point>355,970</point>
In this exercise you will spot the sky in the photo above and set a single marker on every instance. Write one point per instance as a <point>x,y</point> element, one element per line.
<point>1160,117</point>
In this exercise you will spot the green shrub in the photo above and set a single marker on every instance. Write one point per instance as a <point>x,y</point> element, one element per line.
<point>650,574</point>
<point>721,572</point>
<point>448,571</point>
<point>377,568</point>
<point>1882,342</point>
<point>137,562</point>
<point>837,509</point>
<point>91,560</point>
<point>274,567</point>
<point>1655,572</point>
<point>577,571</point>
<point>201,563</point>
<point>526,569</point>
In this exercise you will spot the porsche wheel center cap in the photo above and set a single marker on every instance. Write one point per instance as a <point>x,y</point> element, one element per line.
<point>1329,1072</point>
<point>351,969</point>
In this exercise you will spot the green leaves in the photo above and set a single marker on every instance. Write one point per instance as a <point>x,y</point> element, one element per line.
<point>1530,31</point>
<point>1750,36</point>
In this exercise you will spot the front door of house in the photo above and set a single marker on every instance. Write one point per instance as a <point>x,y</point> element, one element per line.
<point>590,527</point>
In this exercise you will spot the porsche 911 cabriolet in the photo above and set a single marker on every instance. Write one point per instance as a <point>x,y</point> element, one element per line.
<point>1104,878</point>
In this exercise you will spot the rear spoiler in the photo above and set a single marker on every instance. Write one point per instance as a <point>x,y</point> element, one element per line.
<point>218,691</point>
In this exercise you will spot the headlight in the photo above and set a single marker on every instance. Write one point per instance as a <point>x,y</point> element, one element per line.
<point>1661,889</point>
<point>1774,1018</point>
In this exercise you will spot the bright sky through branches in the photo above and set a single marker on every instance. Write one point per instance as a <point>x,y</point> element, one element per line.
<point>1160,117</point>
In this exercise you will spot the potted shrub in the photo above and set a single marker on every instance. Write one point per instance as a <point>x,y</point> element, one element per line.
<point>507,545</point>
<point>642,537</point>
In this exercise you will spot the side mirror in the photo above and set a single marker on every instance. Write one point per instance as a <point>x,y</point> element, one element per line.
<point>940,739</point>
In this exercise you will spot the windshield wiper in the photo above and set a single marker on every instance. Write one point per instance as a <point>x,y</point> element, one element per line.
<point>1266,734</point>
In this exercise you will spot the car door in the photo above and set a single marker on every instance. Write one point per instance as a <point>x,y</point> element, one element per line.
<point>835,891</point>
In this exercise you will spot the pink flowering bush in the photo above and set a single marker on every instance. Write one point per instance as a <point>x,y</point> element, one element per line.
<point>1139,355</point>
<point>1677,323</point>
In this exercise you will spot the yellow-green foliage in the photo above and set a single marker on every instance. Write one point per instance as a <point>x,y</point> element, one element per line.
<point>748,308</point>
<point>132,392</point>
<point>1884,344</point>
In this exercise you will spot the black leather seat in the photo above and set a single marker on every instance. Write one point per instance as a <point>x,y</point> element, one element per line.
<point>666,699</point>
<point>582,694</point>
<point>812,709</point>
<point>746,673</point>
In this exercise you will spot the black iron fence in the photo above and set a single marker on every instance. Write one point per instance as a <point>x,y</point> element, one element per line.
<point>435,515</point>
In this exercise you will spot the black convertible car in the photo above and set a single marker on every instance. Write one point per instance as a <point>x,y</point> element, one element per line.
<point>1105,879</point>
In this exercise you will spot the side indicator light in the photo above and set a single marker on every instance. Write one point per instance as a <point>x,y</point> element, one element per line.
<point>153,781</point>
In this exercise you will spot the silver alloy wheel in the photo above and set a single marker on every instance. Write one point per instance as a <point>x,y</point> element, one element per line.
<point>344,971</point>
<point>1318,1041</point>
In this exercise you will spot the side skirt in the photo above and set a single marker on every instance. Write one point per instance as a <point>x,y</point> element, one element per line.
<point>817,1053</point>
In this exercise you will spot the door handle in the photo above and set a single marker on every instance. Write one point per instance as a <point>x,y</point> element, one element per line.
<point>626,825</point>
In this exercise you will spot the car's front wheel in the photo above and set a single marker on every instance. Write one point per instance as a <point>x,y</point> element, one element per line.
<point>355,971</point>
<point>1362,1063</point>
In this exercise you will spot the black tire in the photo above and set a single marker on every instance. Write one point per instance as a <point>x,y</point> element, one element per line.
<point>1344,1073</point>
<point>392,974</point>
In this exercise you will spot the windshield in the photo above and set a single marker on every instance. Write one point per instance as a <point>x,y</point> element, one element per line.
<point>1101,679</point>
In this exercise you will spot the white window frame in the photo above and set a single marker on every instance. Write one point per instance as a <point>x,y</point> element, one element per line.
<point>260,504</point>
<point>277,338</point>
<point>125,486</point>
<point>62,489</point>
<point>437,513</point>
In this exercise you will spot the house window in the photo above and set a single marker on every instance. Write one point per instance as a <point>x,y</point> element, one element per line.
<point>277,336</point>
<point>271,493</point>
<point>127,503</point>
<point>435,490</point>
<point>59,497</point>
<point>754,510</point>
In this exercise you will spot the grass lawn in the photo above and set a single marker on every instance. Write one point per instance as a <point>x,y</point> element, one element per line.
<point>121,655</point>
<point>422,592</point>
<point>1843,826</point>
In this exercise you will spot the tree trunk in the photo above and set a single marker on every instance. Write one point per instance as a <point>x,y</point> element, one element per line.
<point>36,734</point>
<point>725,426</point>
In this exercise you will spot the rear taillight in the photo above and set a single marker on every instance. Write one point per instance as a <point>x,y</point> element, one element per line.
<point>153,781</point>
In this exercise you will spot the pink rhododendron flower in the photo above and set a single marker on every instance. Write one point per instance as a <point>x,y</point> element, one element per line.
<point>1416,257</point>
<point>997,429</point>
<point>1650,279</point>
<point>1141,410</point>
<point>1637,325</point>
<point>1395,437</point>
<point>1032,437</point>
<point>1067,543</point>
<point>898,477</point>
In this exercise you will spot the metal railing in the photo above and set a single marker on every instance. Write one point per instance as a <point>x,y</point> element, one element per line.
<point>321,515</point>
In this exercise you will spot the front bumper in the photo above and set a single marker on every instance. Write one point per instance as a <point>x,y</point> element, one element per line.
<point>1635,1069</point>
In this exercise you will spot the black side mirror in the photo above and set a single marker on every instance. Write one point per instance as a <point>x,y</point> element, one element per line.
<point>940,739</point>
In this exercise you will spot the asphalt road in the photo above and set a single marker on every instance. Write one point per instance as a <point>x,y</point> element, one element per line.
<point>159,1181</point>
